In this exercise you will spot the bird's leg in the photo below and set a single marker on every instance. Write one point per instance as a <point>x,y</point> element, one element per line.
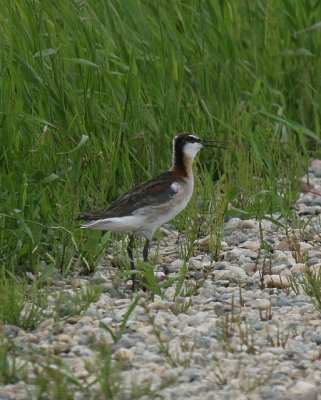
<point>130,246</point>
<point>145,259</point>
<point>145,251</point>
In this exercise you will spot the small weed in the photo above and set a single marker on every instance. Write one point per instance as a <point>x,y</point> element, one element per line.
<point>241,300</point>
<point>111,383</point>
<point>310,283</point>
<point>244,380</point>
<point>266,270</point>
<point>146,388</point>
<point>10,370</point>
<point>182,276</point>
<point>75,302</point>
<point>219,374</point>
<point>107,372</point>
<point>181,306</point>
<point>267,315</point>
<point>54,380</point>
<point>280,340</point>
<point>21,303</point>
<point>117,335</point>
<point>248,383</point>
<point>191,287</point>
<point>294,246</point>
<point>181,356</point>
<point>234,335</point>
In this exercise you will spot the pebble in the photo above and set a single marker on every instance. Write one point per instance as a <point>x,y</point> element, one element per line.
<point>317,339</point>
<point>106,321</point>
<point>124,355</point>
<point>234,254</point>
<point>76,282</point>
<point>177,264</point>
<point>226,275</point>
<point>10,330</point>
<point>249,268</point>
<point>278,269</point>
<point>298,268</point>
<point>63,338</point>
<point>260,304</point>
<point>204,243</point>
<point>239,272</point>
<point>305,390</point>
<point>159,305</point>
<point>236,238</point>
<point>276,281</point>
<point>251,245</point>
<point>193,263</point>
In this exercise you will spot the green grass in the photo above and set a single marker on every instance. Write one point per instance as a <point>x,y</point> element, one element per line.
<point>22,304</point>
<point>90,92</point>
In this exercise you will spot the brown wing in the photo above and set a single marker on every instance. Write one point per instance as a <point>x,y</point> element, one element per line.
<point>151,193</point>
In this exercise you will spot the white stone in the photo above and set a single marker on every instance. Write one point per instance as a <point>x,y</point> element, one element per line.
<point>106,321</point>
<point>177,264</point>
<point>239,272</point>
<point>233,223</point>
<point>194,263</point>
<point>304,387</point>
<point>251,245</point>
<point>298,268</point>
<point>159,305</point>
<point>204,243</point>
<point>248,224</point>
<point>276,281</point>
<point>305,246</point>
<point>123,354</point>
<point>278,269</point>
<point>260,304</point>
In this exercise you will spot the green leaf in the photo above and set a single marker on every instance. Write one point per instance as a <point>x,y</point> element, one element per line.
<point>82,61</point>
<point>293,125</point>
<point>83,140</point>
<point>46,53</point>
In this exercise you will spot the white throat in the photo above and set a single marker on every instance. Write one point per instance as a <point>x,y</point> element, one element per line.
<point>191,149</point>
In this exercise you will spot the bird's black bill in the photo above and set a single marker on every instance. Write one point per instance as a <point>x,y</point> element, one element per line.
<point>220,144</point>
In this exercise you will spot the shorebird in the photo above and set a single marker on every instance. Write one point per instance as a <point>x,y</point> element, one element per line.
<point>143,209</point>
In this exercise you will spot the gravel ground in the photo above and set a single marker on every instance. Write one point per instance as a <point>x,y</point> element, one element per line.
<point>243,334</point>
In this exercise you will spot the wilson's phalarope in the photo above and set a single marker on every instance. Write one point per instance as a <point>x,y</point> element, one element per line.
<point>143,209</point>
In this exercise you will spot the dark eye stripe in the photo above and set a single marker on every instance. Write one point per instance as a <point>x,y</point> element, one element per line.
<point>193,139</point>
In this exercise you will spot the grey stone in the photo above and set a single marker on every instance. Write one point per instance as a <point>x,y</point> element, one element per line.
<point>316,169</point>
<point>236,238</point>
<point>283,301</point>
<point>260,304</point>
<point>314,261</point>
<point>167,268</point>
<point>10,330</point>
<point>303,390</point>
<point>233,254</point>
<point>317,339</point>
<point>198,275</point>
<point>220,265</point>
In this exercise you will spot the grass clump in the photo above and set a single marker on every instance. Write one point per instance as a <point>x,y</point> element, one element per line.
<point>75,302</point>
<point>21,303</point>
<point>54,380</point>
<point>11,371</point>
<point>26,304</point>
<point>308,282</point>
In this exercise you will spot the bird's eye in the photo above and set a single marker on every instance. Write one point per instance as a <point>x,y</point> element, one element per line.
<point>192,139</point>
